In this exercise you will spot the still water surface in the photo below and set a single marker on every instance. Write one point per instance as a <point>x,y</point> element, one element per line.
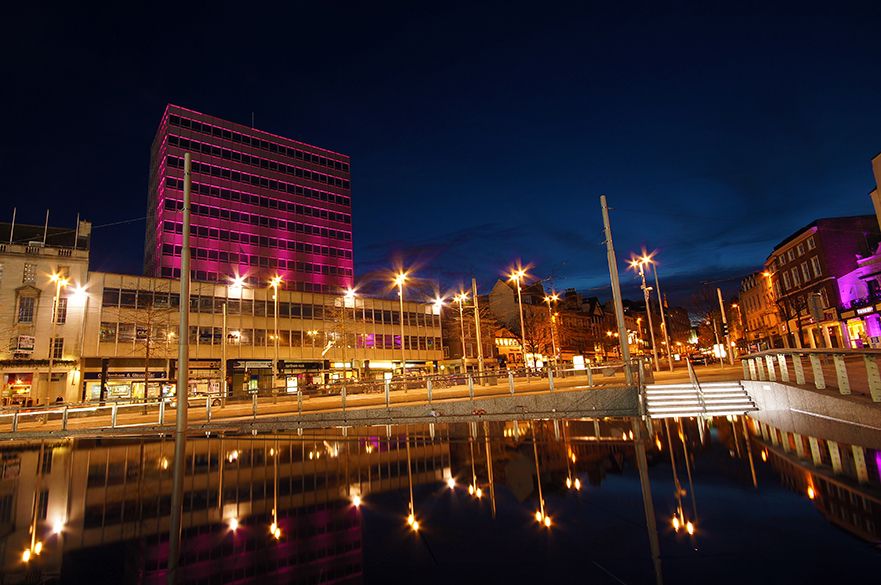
<point>97,511</point>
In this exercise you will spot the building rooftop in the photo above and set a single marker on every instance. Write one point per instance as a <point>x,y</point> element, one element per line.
<point>56,237</point>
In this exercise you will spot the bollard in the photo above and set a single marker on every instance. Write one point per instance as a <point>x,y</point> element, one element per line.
<point>511,382</point>
<point>428,387</point>
<point>470,387</point>
<point>299,402</point>
<point>343,398</point>
<point>387,392</point>
<point>254,404</point>
<point>64,418</point>
<point>114,410</point>
<point>551,379</point>
<point>208,408</point>
<point>15,421</point>
<point>589,377</point>
<point>161,412</point>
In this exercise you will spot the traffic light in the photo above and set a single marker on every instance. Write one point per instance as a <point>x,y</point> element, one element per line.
<point>724,328</point>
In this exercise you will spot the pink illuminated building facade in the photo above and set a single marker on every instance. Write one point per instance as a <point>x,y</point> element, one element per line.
<point>262,205</point>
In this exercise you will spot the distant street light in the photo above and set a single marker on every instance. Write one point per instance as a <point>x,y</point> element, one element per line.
<point>438,310</point>
<point>517,276</point>
<point>400,279</point>
<point>460,299</point>
<point>553,298</point>
<point>638,264</point>
<point>274,283</point>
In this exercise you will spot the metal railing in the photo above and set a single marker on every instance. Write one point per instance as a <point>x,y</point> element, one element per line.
<point>423,389</point>
<point>847,371</point>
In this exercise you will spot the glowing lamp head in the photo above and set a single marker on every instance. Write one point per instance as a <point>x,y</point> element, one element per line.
<point>277,534</point>
<point>811,493</point>
<point>38,548</point>
<point>764,455</point>
<point>538,516</point>
<point>415,526</point>
<point>233,524</point>
<point>451,483</point>
<point>238,281</point>
<point>689,527</point>
<point>411,519</point>
<point>471,490</point>
<point>273,527</point>
<point>275,281</point>
<point>479,493</point>
<point>568,482</point>
<point>577,483</point>
<point>356,501</point>
<point>350,293</point>
<point>26,555</point>
<point>676,524</point>
<point>547,521</point>
<point>57,526</point>
<point>400,278</point>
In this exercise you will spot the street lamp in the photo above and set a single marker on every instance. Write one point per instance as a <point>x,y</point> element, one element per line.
<point>274,283</point>
<point>553,298</point>
<point>648,259</point>
<point>517,276</point>
<point>348,301</point>
<point>460,299</point>
<point>438,310</point>
<point>638,264</point>
<point>60,282</point>
<point>400,279</point>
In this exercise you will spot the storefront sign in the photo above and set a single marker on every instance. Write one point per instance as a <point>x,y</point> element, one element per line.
<point>153,375</point>
<point>252,365</point>
<point>24,343</point>
<point>865,310</point>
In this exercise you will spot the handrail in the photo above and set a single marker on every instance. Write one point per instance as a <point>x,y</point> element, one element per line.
<point>810,350</point>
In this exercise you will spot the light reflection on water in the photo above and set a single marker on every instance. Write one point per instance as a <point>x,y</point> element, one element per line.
<point>336,507</point>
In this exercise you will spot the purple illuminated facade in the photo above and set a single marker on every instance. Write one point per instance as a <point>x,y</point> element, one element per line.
<point>261,205</point>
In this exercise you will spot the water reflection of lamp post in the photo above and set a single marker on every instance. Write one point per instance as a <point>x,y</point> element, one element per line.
<point>540,515</point>
<point>411,517</point>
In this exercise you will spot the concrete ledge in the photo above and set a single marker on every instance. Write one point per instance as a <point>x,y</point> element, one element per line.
<point>588,403</point>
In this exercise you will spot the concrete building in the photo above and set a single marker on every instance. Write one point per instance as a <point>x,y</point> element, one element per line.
<point>804,270</point>
<point>761,326</point>
<point>261,205</point>
<point>39,345</point>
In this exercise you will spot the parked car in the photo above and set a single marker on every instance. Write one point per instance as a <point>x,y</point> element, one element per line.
<point>699,360</point>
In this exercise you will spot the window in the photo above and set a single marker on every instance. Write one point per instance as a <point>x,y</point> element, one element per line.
<point>824,298</point>
<point>29,275</point>
<point>61,311</point>
<point>108,332</point>
<point>26,309</point>
<point>815,264</point>
<point>805,271</point>
<point>801,249</point>
<point>43,505</point>
<point>811,243</point>
<point>786,284</point>
<point>46,461</point>
<point>56,348</point>
<point>781,260</point>
<point>790,255</point>
<point>795,279</point>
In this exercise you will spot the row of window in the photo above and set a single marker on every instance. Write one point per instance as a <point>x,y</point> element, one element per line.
<point>258,220</point>
<point>254,240</point>
<point>801,274</point>
<point>273,147</point>
<point>235,176</point>
<point>261,201</point>
<point>112,332</point>
<point>261,261</point>
<point>254,161</point>
<point>206,304</point>
<point>796,252</point>
<point>223,278</point>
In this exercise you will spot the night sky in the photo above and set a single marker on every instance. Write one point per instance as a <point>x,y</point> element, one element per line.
<point>478,134</point>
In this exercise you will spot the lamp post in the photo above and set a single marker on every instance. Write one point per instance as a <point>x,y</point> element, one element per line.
<point>438,310</point>
<point>348,301</point>
<point>649,260</point>
<point>553,298</point>
<point>238,281</point>
<point>400,279</point>
<point>274,283</point>
<point>638,264</point>
<point>516,276</point>
<point>60,282</point>
<point>460,299</point>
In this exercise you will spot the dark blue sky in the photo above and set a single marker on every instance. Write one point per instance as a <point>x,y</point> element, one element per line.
<point>478,134</point>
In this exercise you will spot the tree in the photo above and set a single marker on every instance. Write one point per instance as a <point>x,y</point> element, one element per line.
<point>150,326</point>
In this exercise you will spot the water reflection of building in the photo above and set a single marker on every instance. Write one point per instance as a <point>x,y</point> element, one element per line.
<point>844,480</point>
<point>117,495</point>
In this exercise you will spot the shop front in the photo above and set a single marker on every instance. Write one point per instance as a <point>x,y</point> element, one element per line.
<point>17,387</point>
<point>127,384</point>
<point>862,326</point>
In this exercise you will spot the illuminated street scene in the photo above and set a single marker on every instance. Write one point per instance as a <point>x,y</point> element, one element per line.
<point>492,293</point>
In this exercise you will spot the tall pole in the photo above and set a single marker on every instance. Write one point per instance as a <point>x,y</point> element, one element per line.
<point>461,299</point>
<point>59,282</point>
<point>725,326</point>
<point>401,299</point>
<point>648,311</point>
<point>663,317</point>
<point>12,227</point>
<point>553,328</point>
<point>223,388</point>
<point>275,345</point>
<point>477,332</point>
<point>616,292</point>
<point>183,365</point>
<point>522,326</point>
